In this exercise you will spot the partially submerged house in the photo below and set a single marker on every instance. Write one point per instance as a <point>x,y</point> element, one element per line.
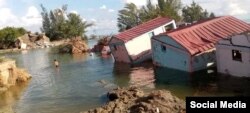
<point>133,45</point>
<point>233,55</point>
<point>192,48</point>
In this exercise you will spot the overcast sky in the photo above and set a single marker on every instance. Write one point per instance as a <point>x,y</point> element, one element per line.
<point>26,13</point>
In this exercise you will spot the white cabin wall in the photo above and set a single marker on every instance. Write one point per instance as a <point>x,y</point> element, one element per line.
<point>226,64</point>
<point>142,42</point>
<point>138,45</point>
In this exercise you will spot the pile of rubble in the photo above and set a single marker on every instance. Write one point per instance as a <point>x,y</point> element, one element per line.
<point>134,100</point>
<point>102,46</point>
<point>29,40</point>
<point>75,46</point>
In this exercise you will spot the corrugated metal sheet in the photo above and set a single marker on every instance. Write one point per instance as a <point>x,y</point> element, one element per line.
<point>202,36</point>
<point>143,28</point>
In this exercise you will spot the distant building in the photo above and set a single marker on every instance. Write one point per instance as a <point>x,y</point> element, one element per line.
<point>133,45</point>
<point>191,48</point>
<point>233,55</point>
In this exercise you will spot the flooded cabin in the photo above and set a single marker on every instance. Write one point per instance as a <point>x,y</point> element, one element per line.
<point>233,55</point>
<point>133,45</point>
<point>191,48</point>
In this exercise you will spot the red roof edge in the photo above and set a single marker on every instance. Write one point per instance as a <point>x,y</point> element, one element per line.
<point>142,28</point>
<point>201,36</point>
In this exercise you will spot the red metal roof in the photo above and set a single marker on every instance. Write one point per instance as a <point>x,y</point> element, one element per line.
<point>202,36</point>
<point>142,28</point>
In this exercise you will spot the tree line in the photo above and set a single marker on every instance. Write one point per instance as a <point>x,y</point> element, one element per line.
<point>59,24</point>
<point>56,24</point>
<point>131,15</point>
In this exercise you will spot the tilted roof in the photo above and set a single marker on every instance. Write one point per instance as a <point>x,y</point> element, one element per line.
<point>142,28</point>
<point>203,35</point>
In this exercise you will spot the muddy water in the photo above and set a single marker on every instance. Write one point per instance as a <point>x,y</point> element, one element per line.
<point>81,81</point>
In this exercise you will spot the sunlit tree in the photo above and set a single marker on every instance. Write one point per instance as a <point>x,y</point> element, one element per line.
<point>195,12</point>
<point>59,24</point>
<point>8,36</point>
<point>128,17</point>
<point>170,8</point>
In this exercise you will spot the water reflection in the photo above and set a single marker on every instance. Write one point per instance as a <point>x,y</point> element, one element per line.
<point>201,83</point>
<point>140,75</point>
<point>121,73</point>
<point>239,86</point>
<point>79,57</point>
<point>9,98</point>
<point>69,88</point>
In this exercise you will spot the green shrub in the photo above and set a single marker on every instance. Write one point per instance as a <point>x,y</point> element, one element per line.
<point>8,36</point>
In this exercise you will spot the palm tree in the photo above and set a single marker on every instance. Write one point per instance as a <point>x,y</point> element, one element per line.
<point>128,17</point>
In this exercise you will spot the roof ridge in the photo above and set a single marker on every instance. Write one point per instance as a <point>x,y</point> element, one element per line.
<point>143,28</point>
<point>193,26</point>
<point>159,17</point>
<point>153,19</point>
<point>209,31</point>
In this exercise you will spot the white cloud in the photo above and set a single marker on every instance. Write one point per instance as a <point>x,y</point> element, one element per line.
<point>2,2</point>
<point>102,26</point>
<point>33,12</point>
<point>111,10</point>
<point>32,20</point>
<point>104,21</point>
<point>103,7</point>
<point>7,18</point>
<point>84,19</point>
<point>28,1</point>
<point>93,20</point>
<point>32,17</point>
<point>136,2</point>
<point>73,11</point>
<point>237,8</point>
<point>139,2</point>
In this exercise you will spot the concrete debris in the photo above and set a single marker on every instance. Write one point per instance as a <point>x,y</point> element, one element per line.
<point>29,41</point>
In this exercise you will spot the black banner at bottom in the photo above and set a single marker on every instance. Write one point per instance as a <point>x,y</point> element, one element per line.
<point>218,104</point>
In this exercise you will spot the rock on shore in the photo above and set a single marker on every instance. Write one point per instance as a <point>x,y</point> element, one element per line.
<point>10,74</point>
<point>102,46</point>
<point>134,100</point>
<point>74,46</point>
